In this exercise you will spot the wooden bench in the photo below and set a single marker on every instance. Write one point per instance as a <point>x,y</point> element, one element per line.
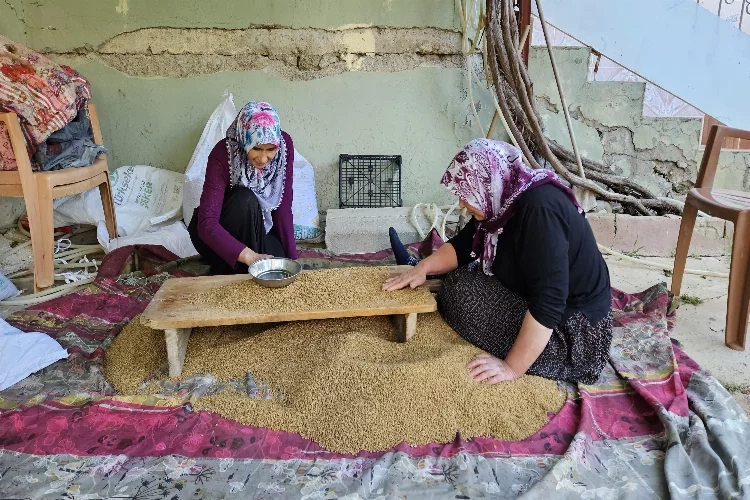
<point>170,311</point>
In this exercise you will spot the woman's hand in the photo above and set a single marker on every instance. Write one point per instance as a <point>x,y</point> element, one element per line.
<point>248,256</point>
<point>413,278</point>
<point>489,369</point>
<point>443,261</point>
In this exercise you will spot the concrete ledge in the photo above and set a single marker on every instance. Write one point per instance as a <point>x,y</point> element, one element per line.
<point>364,230</point>
<point>657,236</point>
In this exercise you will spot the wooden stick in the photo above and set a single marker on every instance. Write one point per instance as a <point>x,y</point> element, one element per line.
<point>564,104</point>
<point>406,326</point>
<point>496,116</point>
<point>492,124</point>
<point>177,342</point>
<point>525,35</point>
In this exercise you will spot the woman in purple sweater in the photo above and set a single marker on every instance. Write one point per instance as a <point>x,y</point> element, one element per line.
<point>245,212</point>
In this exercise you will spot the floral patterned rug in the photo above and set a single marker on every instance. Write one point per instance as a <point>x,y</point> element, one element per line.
<point>655,425</point>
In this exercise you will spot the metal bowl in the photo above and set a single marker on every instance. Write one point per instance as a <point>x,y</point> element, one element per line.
<point>274,273</point>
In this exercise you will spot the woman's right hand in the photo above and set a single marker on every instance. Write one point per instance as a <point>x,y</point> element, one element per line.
<point>248,256</point>
<point>413,278</point>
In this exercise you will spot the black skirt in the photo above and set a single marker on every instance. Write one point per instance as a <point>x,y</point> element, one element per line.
<point>488,315</point>
<point>242,217</point>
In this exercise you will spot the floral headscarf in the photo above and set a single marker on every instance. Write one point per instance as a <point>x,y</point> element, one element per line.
<point>258,123</point>
<point>489,175</point>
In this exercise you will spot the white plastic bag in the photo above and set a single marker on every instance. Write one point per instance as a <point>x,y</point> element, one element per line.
<point>174,237</point>
<point>22,354</point>
<point>304,203</point>
<point>7,288</point>
<point>214,131</point>
<point>144,196</point>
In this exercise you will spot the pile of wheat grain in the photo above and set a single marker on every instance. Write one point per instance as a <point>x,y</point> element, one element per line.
<point>346,384</point>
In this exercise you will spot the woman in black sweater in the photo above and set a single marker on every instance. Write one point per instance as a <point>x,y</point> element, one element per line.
<point>538,298</point>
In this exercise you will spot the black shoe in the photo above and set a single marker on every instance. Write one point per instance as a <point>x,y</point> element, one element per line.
<point>399,250</point>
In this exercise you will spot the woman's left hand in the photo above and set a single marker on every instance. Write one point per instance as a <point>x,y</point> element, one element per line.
<point>490,370</point>
<point>412,278</point>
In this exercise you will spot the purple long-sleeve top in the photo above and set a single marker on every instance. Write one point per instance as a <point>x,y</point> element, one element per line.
<point>215,188</point>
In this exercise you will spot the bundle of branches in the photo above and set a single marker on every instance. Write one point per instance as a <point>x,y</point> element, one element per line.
<point>515,98</point>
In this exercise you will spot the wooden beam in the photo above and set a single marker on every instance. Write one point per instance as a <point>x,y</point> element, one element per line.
<point>525,23</point>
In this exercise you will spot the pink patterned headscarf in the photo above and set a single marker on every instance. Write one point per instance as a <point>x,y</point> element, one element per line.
<point>489,175</point>
<point>258,123</point>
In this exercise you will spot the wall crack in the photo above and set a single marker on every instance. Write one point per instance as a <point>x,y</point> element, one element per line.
<point>292,53</point>
<point>20,17</point>
<point>547,103</point>
<point>666,161</point>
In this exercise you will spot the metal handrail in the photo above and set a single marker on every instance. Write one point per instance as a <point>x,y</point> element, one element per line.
<point>738,19</point>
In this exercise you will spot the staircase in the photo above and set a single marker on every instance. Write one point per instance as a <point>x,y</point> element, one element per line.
<point>678,45</point>
<point>660,153</point>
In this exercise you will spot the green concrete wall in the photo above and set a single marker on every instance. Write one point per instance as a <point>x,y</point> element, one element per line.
<point>413,113</point>
<point>385,100</point>
<point>10,24</point>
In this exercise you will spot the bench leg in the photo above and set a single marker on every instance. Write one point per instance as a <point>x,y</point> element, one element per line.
<point>177,341</point>
<point>406,326</point>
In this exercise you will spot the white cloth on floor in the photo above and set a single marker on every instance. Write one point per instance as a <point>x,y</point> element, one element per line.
<point>174,237</point>
<point>22,354</point>
<point>7,288</point>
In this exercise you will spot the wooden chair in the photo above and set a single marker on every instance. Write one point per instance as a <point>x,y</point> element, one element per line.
<point>39,190</point>
<point>729,205</point>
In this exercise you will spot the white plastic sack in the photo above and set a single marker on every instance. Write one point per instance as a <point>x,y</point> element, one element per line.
<point>304,203</point>
<point>174,237</point>
<point>144,196</point>
<point>214,131</point>
<point>7,288</point>
<point>22,354</point>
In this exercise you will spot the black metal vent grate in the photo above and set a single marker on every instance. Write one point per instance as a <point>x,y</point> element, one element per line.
<point>369,181</point>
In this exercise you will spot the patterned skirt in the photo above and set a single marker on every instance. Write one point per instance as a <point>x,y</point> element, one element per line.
<point>488,315</point>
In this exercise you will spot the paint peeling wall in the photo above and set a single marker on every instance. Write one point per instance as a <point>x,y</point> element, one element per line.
<point>357,77</point>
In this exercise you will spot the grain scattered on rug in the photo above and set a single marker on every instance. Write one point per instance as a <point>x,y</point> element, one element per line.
<point>345,383</point>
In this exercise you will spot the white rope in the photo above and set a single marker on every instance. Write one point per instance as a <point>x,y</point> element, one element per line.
<point>433,213</point>
<point>48,294</point>
<point>78,275</point>
<point>72,264</point>
<point>62,245</point>
<point>657,265</point>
